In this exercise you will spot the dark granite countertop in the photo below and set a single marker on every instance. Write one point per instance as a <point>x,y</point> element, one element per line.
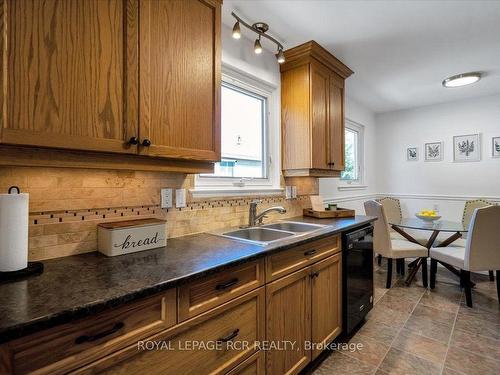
<point>81,285</point>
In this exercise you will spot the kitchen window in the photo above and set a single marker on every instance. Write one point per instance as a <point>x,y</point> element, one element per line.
<point>249,134</point>
<point>353,172</point>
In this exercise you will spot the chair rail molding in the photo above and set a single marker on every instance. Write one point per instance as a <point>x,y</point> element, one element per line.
<point>440,197</point>
<point>459,198</point>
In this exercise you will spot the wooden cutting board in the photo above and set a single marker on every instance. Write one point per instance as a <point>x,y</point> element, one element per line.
<point>339,212</point>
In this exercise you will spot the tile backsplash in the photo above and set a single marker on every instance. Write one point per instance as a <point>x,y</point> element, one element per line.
<point>67,204</point>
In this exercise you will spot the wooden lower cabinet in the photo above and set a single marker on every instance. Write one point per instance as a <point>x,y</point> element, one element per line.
<point>303,308</point>
<point>288,302</point>
<point>326,294</point>
<point>209,292</point>
<point>255,365</point>
<point>69,346</point>
<point>239,321</point>
<point>226,323</point>
<point>288,261</point>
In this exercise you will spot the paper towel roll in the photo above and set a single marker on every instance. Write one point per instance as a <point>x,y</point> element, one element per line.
<point>14,218</point>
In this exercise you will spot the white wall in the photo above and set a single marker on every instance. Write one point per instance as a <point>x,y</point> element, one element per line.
<point>447,184</point>
<point>328,187</point>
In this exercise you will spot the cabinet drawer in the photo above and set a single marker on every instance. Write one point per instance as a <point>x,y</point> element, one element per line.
<point>283,263</point>
<point>202,295</point>
<point>72,345</point>
<point>255,365</point>
<point>238,321</point>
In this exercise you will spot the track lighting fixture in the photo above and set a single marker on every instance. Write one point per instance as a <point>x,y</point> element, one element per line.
<point>260,28</point>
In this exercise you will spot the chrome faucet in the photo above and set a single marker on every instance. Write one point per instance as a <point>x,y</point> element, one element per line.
<point>254,219</point>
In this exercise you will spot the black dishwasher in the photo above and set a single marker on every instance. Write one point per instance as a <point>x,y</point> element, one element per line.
<point>357,277</point>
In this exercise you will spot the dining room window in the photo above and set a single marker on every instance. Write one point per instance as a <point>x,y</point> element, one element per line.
<point>353,163</point>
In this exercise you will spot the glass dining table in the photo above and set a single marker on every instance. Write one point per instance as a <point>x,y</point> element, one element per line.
<point>435,228</point>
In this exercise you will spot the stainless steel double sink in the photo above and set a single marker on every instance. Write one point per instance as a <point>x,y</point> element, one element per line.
<point>268,233</point>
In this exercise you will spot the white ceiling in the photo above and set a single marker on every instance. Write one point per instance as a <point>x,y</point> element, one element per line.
<point>400,51</point>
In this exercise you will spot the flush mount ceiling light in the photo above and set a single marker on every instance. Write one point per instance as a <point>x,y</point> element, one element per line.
<point>260,28</point>
<point>462,79</point>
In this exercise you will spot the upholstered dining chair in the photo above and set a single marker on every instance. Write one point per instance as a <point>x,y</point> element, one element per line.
<point>392,209</point>
<point>469,208</point>
<point>481,251</point>
<point>393,212</point>
<point>391,248</point>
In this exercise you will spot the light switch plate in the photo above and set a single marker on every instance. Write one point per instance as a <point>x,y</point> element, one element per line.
<point>294,191</point>
<point>166,198</point>
<point>180,198</point>
<point>288,192</point>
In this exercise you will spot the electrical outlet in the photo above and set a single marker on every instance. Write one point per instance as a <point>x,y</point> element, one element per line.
<point>436,207</point>
<point>294,191</point>
<point>166,198</point>
<point>180,198</point>
<point>288,192</point>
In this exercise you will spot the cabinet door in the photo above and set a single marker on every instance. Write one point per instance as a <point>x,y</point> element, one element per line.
<point>320,82</point>
<point>289,320</point>
<point>180,78</point>
<point>336,124</point>
<point>326,301</point>
<point>63,66</point>
<point>255,365</point>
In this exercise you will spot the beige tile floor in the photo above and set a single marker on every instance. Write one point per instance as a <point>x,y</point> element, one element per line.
<point>412,330</point>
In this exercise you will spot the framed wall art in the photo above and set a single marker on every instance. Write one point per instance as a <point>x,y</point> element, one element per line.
<point>495,145</point>
<point>466,148</point>
<point>412,154</point>
<point>433,151</point>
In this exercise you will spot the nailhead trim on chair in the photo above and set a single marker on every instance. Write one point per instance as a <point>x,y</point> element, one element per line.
<point>379,200</point>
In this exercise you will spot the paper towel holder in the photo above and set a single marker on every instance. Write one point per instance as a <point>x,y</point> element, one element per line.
<point>12,188</point>
<point>34,268</point>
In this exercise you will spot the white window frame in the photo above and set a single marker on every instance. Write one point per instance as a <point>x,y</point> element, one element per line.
<point>359,183</point>
<point>235,186</point>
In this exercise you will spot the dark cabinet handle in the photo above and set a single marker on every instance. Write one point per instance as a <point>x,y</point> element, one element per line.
<point>313,275</point>
<point>229,337</point>
<point>227,284</point>
<point>309,252</point>
<point>133,141</point>
<point>331,164</point>
<point>85,338</point>
<point>146,142</point>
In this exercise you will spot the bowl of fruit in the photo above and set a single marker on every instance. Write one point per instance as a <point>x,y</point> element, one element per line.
<point>428,215</point>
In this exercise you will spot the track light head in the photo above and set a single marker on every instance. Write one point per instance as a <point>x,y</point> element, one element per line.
<point>257,47</point>
<point>280,56</point>
<point>236,30</point>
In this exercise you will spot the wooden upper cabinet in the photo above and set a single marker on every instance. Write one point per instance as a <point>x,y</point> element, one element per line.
<point>336,136</point>
<point>180,78</point>
<point>320,86</point>
<point>312,108</point>
<point>64,67</point>
<point>89,75</point>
